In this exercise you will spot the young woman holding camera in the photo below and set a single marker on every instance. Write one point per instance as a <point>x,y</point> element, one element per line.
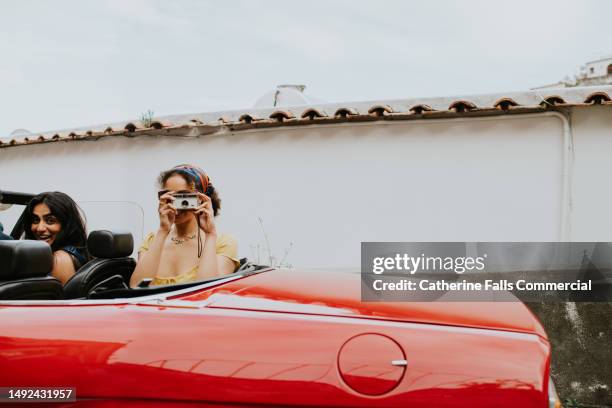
<point>186,247</point>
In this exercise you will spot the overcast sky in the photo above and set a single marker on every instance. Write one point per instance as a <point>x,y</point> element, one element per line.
<point>71,63</point>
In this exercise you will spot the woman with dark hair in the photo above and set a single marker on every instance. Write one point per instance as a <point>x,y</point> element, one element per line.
<point>55,218</point>
<point>186,247</point>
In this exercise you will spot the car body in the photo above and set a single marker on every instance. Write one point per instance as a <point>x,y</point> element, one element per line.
<point>269,336</point>
<point>278,337</point>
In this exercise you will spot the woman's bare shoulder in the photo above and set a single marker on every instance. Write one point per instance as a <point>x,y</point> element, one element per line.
<point>63,266</point>
<point>61,256</point>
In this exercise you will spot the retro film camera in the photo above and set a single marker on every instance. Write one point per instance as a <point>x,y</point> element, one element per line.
<point>185,201</point>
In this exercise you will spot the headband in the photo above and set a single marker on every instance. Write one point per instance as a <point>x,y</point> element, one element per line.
<point>203,183</point>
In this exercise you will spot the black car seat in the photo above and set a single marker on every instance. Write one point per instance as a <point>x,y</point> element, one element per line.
<point>24,270</point>
<point>110,267</point>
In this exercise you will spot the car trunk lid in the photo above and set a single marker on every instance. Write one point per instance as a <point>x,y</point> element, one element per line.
<point>339,294</point>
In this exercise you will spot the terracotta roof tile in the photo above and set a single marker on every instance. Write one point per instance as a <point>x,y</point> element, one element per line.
<point>131,127</point>
<point>598,98</point>
<point>248,118</point>
<point>553,100</point>
<point>160,124</point>
<point>505,103</point>
<point>462,106</point>
<point>281,115</point>
<point>312,113</point>
<point>420,108</point>
<point>380,110</point>
<point>346,112</point>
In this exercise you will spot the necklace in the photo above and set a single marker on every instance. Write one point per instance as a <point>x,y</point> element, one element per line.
<point>181,241</point>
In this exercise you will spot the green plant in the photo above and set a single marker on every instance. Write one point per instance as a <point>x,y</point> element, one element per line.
<point>146,118</point>
<point>571,403</point>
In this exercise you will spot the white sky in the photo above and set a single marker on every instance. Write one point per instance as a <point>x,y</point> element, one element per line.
<point>71,63</point>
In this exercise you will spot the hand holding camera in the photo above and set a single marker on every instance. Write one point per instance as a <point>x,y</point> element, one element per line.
<point>206,214</point>
<point>171,202</point>
<point>167,211</point>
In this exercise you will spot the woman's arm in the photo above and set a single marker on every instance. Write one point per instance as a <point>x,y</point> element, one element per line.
<point>63,266</point>
<point>148,261</point>
<point>210,264</point>
<point>225,265</point>
<point>208,267</point>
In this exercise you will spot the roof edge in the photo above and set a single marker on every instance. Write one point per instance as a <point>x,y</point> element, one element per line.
<point>394,109</point>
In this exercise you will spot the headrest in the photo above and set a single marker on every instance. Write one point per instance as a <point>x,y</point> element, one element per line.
<point>110,244</point>
<point>24,259</point>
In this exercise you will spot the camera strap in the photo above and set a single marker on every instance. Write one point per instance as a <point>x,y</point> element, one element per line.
<point>199,240</point>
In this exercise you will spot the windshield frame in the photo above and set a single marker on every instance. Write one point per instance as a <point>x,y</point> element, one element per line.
<point>16,198</point>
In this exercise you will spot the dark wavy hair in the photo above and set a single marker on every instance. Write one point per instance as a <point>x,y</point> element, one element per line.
<point>68,214</point>
<point>165,175</point>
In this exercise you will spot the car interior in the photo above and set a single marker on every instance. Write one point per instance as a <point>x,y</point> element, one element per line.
<point>25,266</point>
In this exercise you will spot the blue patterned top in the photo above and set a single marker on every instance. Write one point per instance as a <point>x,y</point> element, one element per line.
<point>79,255</point>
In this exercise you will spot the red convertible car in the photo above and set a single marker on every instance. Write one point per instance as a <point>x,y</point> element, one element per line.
<point>261,336</point>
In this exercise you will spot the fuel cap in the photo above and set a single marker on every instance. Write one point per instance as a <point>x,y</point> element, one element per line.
<point>371,364</point>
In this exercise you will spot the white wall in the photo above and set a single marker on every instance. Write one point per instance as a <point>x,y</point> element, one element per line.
<point>600,68</point>
<point>327,188</point>
<point>592,186</point>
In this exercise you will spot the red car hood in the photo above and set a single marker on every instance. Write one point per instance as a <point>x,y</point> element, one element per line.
<point>339,294</point>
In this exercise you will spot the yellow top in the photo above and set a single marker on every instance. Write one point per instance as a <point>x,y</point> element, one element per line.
<point>226,246</point>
